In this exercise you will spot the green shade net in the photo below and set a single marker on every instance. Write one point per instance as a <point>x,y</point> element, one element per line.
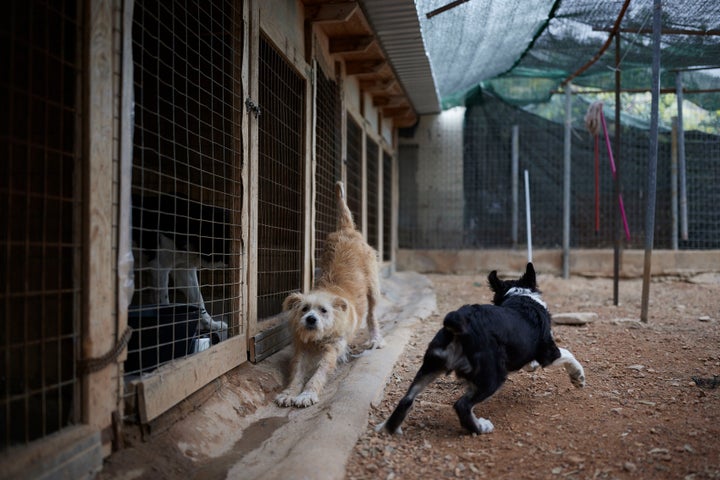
<point>521,50</point>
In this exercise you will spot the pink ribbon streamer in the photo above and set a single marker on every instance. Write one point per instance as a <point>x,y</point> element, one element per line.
<point>612,167</point>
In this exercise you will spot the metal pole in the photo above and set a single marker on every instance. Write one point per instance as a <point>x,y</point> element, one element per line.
<point>652,159</point>
<point>673,183</point>
<point>566,181</point>
<point>528,221</point>
<point>681,157</point>
<point>616,183</point>
<point>514,181</point>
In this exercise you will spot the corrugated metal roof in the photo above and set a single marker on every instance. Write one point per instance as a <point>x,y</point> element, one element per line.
<point>397,28</point>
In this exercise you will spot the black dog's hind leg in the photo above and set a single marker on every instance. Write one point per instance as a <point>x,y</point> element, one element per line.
<point>431,369</point>
<point>477,393</point>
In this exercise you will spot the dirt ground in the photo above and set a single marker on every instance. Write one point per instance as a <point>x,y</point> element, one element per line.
<point>640,414</point>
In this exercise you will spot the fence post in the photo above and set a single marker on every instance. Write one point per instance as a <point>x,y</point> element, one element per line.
<point>681,157</point>
<point>652,159</point>
<point>514,177</point>
<point>566,181</point>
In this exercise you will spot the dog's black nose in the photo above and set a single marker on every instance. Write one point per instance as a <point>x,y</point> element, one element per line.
<point>310,321</point>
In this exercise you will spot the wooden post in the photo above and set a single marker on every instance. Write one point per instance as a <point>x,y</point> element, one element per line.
<point>100,389</point>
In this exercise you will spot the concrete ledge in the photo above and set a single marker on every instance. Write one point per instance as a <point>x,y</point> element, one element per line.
<point>235,430</point>
<point>74,452</point>
<point>592,263</point>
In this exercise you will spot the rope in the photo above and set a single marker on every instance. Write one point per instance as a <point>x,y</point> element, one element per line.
<point>594,119</point>
<point>92,365</point>
<point>593,122</point>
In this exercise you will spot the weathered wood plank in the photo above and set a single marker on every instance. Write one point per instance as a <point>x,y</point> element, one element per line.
<point>100,389</point>
<point>177,380</point>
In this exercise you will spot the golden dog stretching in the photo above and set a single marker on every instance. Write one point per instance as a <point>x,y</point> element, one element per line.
<point>323,320</point>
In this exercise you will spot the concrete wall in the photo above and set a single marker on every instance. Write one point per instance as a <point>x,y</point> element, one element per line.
<point>594,263</point>
<point>439,171</point>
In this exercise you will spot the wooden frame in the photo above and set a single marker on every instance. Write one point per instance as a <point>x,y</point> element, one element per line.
<point>171,383</point>
<point>273,334</point>
<point>100,390</point>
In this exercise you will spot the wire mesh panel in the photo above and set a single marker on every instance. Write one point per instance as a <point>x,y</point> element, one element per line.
<point>354,170</point>
<point>702,154</point>
<point>328,157</point>
<point>39,238</point>
<point>409,231</point>
<point>280,182</point>
<point>387,206</point>
<point>372,159</point>
<point>186,181</point>
<point>487,185</point>
<point>487,180</point>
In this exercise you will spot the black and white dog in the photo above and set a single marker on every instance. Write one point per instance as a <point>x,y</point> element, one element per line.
<point>175,237</point>
<point>482,343</point>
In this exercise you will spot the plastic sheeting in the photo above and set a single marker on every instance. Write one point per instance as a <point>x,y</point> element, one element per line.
<point>477,40</point>
<point>522,50</point>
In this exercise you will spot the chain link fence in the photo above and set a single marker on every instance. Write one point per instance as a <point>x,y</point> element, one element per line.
<point>455,200</point>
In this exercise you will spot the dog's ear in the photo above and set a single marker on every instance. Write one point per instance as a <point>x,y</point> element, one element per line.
<point>529,280</point>
<point>292,300</point>
<point>495,282</point>
<point>340,303</point>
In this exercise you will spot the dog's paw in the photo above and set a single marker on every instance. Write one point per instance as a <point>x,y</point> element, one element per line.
<point>484,425</point>
<point>305,399</point>
<point>578,380</point>
<point>284,400</point>
<point>577,375</point>
<point>377,341</point>
<point>207,324</point>
<point>381,427</point>
<point>532,366</point>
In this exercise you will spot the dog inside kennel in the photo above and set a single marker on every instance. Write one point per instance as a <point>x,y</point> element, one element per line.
<point>186,180</point>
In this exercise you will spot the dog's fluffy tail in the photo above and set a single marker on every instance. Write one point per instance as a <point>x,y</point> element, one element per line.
<point>345,218</point>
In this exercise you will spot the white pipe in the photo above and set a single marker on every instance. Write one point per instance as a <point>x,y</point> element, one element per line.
<point>528,223</point>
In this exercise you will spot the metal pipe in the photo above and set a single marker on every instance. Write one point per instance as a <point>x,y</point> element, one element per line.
<point>566,181</point>
<point>674,183</point>
<point>514,181</point>
<point>652,159</point>
<point>528,220</point>
<point>681,157</point>
<point>616,180</point>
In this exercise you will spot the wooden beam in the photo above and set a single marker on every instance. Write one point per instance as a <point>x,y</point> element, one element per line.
<point>357,67</point>
<point>638,90</point>
<point>351,43</point>
<point>444,8</point>
<point>389,100</point>
<point>665,31</point>
<point>377,85</point>
<point>396,111</point>
<point>330,12</point>
<point>177,380</point>
<point>407,120</point>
